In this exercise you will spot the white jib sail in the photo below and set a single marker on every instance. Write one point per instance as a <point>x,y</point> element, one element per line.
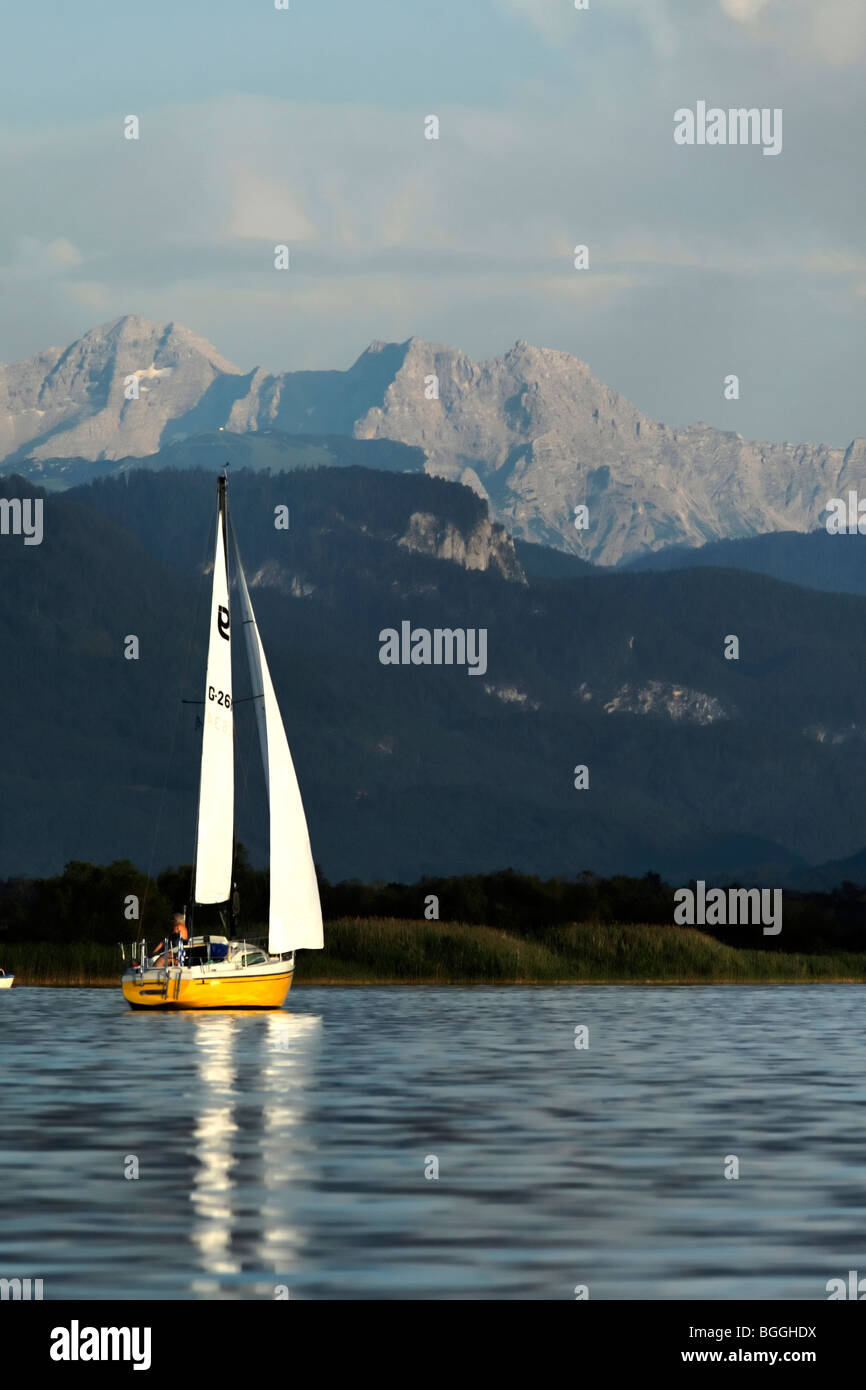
<point>214,841</point>
<point>295,920</point>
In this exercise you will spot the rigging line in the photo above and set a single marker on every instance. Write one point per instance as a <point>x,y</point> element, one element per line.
<point>161,809</point>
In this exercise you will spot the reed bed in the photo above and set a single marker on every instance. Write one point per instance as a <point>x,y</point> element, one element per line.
<point>389,951</point>
<point>66,963</point>
<point>363,950</point>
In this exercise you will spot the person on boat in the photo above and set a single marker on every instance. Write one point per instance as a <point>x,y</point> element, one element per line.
<point>168,949</point>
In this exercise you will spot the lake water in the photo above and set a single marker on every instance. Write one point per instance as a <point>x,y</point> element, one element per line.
<point>289,1148</point>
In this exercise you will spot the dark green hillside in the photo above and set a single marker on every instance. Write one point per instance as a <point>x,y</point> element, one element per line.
<point>339,518</point>
<point>833,564</point>
<point>544,563</point>
<point>264,449</point>
<point>697,765</point>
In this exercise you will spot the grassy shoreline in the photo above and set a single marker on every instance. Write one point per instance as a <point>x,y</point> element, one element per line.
<point>388,951</point>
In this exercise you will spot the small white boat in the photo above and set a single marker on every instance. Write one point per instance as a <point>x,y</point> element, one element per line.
<point>6,980</point>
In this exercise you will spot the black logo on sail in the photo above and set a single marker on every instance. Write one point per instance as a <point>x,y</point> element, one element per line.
<point>223,622</point>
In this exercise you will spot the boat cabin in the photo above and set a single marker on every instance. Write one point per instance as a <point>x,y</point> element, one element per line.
<point>219,950</point>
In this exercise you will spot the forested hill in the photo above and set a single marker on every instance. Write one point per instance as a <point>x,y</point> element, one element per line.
<point>816,559</point>
<point>697,765</point>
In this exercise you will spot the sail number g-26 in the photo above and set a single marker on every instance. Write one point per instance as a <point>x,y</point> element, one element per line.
<point>220,696</point>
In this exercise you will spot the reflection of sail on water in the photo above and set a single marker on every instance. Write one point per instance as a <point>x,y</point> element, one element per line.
<point>249,1155</point>
<point>211,1193</point>
<point>292,1045</point>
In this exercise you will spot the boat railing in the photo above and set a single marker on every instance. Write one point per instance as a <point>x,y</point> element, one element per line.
<point>198,953</point>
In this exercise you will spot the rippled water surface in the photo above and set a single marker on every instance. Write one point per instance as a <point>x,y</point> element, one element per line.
<point>290,1148</point>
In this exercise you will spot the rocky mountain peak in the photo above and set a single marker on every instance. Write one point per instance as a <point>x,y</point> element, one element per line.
<point>533,431</point>
<point>79,402</point>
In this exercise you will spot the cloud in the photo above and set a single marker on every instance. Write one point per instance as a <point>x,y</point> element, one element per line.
<point>553,22</point>
<point>467,240</point>
<point>97,298</point>
<point>62,253</point>
<point>33,255</point>
<point>213,186</point>
<point>823,33</point>
<point>832,33</point>
<point>746,11</point>
<point>264,207</point>
<point>558,23</point>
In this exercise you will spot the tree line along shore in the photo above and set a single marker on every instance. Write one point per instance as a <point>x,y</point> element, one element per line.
<point>503,928</point>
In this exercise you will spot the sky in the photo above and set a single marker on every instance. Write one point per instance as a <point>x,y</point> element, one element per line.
<point>305,127</point>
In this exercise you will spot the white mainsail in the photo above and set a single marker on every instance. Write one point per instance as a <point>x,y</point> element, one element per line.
<point>295,919</point>
<point>214,840</point>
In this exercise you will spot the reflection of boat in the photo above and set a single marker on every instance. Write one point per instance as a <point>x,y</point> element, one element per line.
<point>214,971</point>
<point>249,1108</point>
<point>6,980</point>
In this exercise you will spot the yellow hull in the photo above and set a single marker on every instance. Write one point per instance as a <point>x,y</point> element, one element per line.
<point>249,992</point>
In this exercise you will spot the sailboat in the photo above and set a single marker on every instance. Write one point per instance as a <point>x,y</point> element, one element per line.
<point>217,971</point>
